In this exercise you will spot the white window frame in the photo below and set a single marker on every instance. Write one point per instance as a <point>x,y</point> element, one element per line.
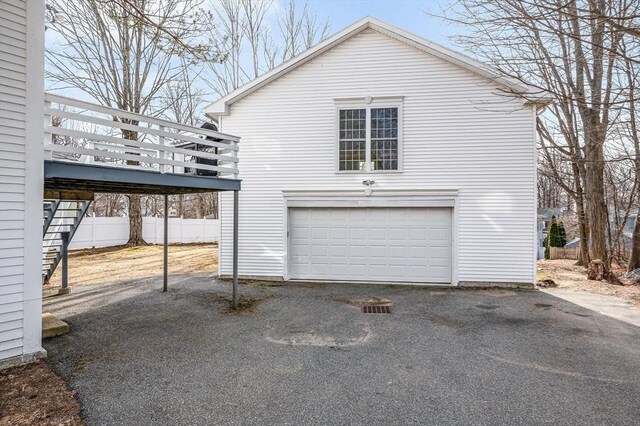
<point>367,103</point>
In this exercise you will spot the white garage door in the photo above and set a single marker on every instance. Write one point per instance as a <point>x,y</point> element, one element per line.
<point>370,244</point>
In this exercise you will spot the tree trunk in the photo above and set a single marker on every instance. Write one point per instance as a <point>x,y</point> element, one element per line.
<point>634,257</point>
<point>597,214</point>
<point>583,220</point>
<point>199,206</point>
<point>135,207</point>
<point>135,221</point>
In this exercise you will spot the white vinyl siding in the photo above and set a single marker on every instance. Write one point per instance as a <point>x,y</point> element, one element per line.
<point>458,133</point>
<point>20,186</point>
<point>12,175</point>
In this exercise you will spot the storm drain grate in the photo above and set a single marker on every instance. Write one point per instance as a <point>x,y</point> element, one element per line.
<point>376,309</point>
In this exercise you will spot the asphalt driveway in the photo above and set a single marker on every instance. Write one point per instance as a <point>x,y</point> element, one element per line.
<point>304,354</point>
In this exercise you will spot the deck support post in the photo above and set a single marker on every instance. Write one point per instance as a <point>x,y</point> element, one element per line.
<point>165,263</point>
<point>235,251</point>
<point>64,253</point>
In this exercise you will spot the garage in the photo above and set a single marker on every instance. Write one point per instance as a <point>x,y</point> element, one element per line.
<point>371,244</point>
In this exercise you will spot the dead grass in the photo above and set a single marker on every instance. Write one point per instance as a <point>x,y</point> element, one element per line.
<point>96,266</point>
<point>570,277</point>
<point>35,395</point>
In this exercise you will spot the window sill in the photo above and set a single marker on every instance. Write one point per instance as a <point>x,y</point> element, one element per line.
<point>362,172</point>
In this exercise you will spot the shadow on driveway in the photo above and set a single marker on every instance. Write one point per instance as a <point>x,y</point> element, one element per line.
<point>306,355</point>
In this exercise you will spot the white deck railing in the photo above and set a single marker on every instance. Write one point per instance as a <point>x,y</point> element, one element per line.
<point>94,134</point>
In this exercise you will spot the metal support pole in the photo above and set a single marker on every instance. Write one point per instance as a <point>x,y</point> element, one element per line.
<point>235,251</point>
<point>64,253</point>
<point>166,243</point>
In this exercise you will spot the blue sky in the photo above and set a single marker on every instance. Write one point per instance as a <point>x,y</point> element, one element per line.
<point>411,15</point>
<point>407,14</point>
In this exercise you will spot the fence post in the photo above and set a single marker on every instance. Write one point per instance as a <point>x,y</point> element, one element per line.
<point>93,230</point>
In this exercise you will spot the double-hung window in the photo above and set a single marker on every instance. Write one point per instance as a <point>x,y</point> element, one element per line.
<point>368,138</point>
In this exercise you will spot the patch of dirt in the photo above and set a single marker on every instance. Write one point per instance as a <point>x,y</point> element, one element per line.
<point>547,283</point>
<point>245,303</point>
<point>570,277</point>
<point>110,264</point>
<point>35,395</point>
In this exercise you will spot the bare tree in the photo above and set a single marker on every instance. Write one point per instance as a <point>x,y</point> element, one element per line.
<point>254,28</point>
<point>570,49</point>
<point>228,74</point>
<point>246,31</point>
<point>123,53</point>
<point>300,29</point>
<point>632,72</point>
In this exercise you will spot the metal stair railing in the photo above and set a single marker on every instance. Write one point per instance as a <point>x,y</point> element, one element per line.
<point>49,213</point>
<point>53,253</point>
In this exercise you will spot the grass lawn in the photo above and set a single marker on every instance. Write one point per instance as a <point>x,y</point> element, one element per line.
<point>95,266</point>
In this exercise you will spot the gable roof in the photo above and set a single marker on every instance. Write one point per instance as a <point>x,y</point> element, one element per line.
<point>221,106</point>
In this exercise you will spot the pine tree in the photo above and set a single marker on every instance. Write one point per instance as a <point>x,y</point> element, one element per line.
<point>553,238</point>
<point>562,235</point>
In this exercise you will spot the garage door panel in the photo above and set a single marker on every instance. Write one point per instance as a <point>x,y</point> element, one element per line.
<point>377,234</point>
<point>358,215</point>
<point>319,233</point>
<point>300,250</point>
<point>320,268</point>
<point>398,234</point>
<point>439,234</point>
<point>416,234</point>
<point>439,252</point>
<point>416,252</point>
<point>339,270</point>
<point>378,252</point>
<point>338,216</point>
<point>339,251</point>
<point>440,217</point>
<point>397,252</point>
<point>358,234</point>
<point>358,252</point>
<point>339,233</point>
<point>320,250</point>
<point>373,244</point>
<point>439,272</point>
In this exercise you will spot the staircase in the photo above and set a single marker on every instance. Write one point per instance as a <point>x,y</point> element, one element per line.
<point>60,222</point>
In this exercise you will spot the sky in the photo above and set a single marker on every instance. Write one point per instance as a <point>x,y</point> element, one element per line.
<point>410,15</point>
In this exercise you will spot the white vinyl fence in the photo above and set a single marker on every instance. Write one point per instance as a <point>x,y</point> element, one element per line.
<point>113,231</point>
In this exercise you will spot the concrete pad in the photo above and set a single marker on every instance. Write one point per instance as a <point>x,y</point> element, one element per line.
<point>54,291</point>
<point>52,326</point>
<point>610,306</point>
